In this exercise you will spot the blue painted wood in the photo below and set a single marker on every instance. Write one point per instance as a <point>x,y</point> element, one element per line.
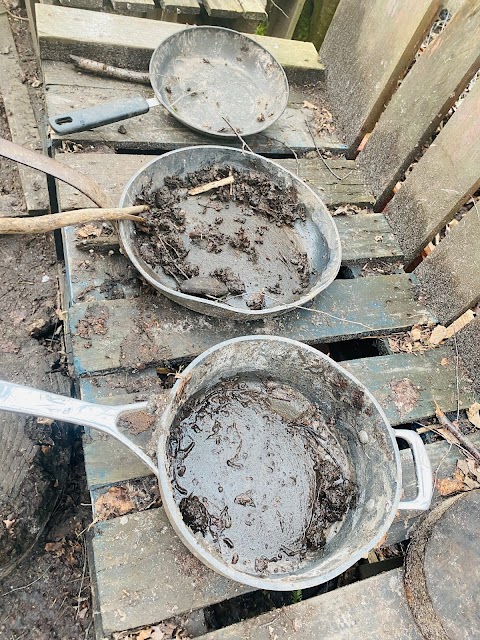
<point>126,334</point>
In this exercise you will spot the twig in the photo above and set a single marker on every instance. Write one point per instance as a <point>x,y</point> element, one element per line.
<point>336,317</point>
<point>102,69</point>
<point>244,144</point>
<point>44,224</point>
<point>335,175</point>
<point>26,585</point>
<point>454,430</point>
<point>280,9</point>
<point>83,577</point>
<point>12,15</point>
<point>210,185</point>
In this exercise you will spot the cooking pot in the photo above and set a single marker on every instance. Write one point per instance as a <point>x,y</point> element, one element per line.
<point>357,420</point>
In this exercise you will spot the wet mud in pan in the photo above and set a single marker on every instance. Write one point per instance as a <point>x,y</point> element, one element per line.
<point>259,474</point>
<point>235,243</point>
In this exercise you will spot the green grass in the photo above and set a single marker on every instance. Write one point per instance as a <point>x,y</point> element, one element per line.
<point>296,596</point>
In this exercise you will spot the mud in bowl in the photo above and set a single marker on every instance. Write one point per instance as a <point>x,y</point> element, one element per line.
<point>341,414</point>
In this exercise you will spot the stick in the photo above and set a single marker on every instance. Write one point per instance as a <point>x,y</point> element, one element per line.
<point>102,69</point>
<point>466,443</point>
<point>210,185</point>
<point>44,224</point>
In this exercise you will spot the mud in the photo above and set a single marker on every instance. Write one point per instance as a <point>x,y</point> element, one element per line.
<point>259,474</point>
<point>238,239</point>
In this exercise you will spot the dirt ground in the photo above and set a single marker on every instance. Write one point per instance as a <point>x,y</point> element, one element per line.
<point>48,594</point>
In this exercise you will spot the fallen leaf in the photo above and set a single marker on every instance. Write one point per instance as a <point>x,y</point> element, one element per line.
<point>448,435</point>
<point>438,334</point>
<point>56,547</point>
<point>473,414</point>
<point>144,634</point>
<point>416,333</point>
<point>448,486</point>
<point>157,634</point>
<point>444,362</point>
<point>309,105</point>
<point>89,230</point>
<point>115,502</point>
<point>8,524</point>
<point>405,395</point>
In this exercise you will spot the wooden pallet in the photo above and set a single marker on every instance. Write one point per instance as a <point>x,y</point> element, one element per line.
<point>141,571</point>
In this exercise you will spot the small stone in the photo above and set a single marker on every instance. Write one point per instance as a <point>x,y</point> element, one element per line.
<point>363,437</point>
<point>45,279</point>
<point>122,129</point>
<point>370,506</point>
<point>204,286</point>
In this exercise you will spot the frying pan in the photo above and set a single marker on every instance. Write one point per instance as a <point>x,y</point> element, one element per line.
<point>275,483</point>
<point>316,236</point>
<point>214,80</point>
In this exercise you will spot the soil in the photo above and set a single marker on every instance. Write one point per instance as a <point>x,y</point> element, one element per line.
<point>47,594</point>
<point>234,243</point>
<point>265,498</point>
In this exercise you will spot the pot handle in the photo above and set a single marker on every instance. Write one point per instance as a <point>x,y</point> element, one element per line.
<point>423,471</point>
<point>34,402</point>
<point>92,117</point>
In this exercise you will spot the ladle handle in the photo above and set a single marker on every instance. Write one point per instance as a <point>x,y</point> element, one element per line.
<point>423,471</point>
<point>34,402</point>
<point>92,117</point>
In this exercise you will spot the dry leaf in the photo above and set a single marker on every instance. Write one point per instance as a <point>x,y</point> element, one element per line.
<point>309,105</point>
<point>58,548</point>
<point>405,395</point>
<point>157,634</point>
<point>416,333</point>
<point>473,414</point>
<point>144,634</point>
<point>438,334</point>
<point>115,502</point>
<point>448,486</point>
<point>448,435</point>
<point>89,230</point>
<point>444,362</point>
<point>8,524</point>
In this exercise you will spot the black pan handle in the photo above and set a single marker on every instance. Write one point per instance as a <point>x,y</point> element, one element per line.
<point>93,117</point>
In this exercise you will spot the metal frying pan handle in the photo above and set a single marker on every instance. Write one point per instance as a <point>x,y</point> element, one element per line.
<point>92,117</point>
<point>34,402</point>
<point>423,471</point>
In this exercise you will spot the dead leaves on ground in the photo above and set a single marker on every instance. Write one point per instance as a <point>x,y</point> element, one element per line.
<point>473,414</point>
<point>69,550</point>
<point>321,120</point>
<point>465,477</point>
<point>168,630</point>
<point>417,340</point>
<point>89,231</point>
<point>122,500</point>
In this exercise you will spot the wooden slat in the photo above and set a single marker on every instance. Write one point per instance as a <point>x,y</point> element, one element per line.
<point>366,50</point>
<point>372,609</point>
<point>441,182</point>
<point>468,344</point>
<point>180,6</point>
<point>133,6</point>
<point>67,89</point>
<point>21,119</point>
<point>432,380</point>
<point>365,306</point>
<point>145,574</point>
<point>421,102</point>
<point>112,172</point>
<point>450,275</point>
<point>223,8</point>
<point>94,5</point>
<point>127,41</point>
<point>253,10</point>
<point>281,25</point>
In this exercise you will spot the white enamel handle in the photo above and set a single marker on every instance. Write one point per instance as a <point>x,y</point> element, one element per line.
<point>34,402</point>
<point>423,470</point>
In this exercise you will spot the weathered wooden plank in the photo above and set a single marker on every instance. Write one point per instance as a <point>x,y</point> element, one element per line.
<point>253,10</point>
<point>372,609</point>
<point>468,344</point>
<point>180,6</point>
<point>282,23</point>
<point>223,8</point>
<point>424,97</point>
<point>158,130</point>
<point>145,574</point>
<point>347,309</point>
<point>441,182</point>
<point>135,6</point>
<point>21,119</point>
<point>450,275</point>
<point>112,172</point>
<point>94,5</point>
<point>364,64</point>
<point>129,42</point>
<point>431,380</point>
